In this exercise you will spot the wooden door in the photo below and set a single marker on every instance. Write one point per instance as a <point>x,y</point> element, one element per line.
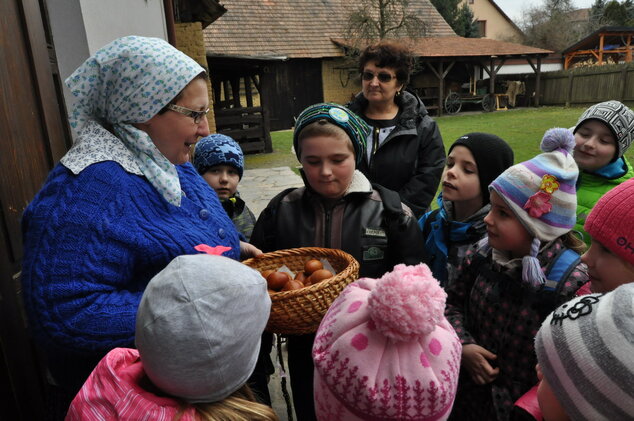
<point>288,87</point>
<point>34,136</point>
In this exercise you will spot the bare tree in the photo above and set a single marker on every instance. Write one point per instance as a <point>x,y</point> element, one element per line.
<point>548,26</point>
<point>380,19</point>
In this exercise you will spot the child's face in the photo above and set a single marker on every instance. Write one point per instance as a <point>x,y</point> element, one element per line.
<point>548,402</point>
<point>328,164</point>
<point>505,231</point>
<point>607,271</point>
<point>460,182</point>
<point>595,145</point>
<point>223,179</point>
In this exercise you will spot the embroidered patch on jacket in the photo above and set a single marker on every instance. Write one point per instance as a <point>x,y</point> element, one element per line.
<point>373,253</point>
<point>374,232</point>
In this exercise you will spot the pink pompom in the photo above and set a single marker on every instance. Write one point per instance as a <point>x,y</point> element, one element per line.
<point>407,303</point>
<point>558,138</point>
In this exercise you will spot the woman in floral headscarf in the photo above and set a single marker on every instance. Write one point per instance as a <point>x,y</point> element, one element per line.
<point>121,204</point>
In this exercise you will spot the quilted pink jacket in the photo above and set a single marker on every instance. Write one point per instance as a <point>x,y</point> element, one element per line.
<point>112,392</point>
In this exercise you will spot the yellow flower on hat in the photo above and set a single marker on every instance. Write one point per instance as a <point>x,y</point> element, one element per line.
<point>549,183</point>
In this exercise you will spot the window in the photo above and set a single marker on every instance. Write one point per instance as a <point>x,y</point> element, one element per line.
<point>471,1</point>
<point>482,28</point>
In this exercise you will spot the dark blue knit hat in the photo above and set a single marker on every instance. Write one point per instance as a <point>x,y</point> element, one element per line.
<point>357,129</point>
<point>218,149</point>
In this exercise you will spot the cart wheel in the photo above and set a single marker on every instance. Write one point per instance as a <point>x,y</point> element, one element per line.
<point>453,103</point>
<point>488,103</point>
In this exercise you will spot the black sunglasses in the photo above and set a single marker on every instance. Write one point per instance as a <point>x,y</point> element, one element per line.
<point>383,77</point>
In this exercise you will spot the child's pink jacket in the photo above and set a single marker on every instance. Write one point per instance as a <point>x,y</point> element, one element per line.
<point>112,392</point>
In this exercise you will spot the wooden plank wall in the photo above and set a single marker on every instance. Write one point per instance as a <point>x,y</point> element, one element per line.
<point>585,86</point>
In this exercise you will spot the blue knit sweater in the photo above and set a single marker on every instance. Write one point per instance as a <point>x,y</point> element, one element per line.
<point>93,241</point>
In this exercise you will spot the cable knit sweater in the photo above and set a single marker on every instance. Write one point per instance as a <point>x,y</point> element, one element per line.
<point>92,242</point>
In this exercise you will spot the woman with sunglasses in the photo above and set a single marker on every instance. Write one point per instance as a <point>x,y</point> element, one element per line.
<point>119,206</point>
<point>405,151</point>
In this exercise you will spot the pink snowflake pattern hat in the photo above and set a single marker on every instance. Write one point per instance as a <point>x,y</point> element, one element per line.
<point>384,351</point>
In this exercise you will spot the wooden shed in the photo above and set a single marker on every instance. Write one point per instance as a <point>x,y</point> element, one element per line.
<point>612,43</point>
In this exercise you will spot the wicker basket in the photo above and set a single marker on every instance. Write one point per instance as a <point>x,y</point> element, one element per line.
<point>300,311</point>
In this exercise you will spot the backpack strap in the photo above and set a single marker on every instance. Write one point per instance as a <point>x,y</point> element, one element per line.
<point>391,200</point>
<point>559,268</point>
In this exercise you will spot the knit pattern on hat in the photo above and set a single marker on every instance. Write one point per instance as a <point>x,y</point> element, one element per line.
<point>199,325</point>
<point>492,156</point>
<point>585,350</point>
<point>357,129</point>
<point>618,117</point>
<point>548,180</point>
<point>218,149</point>
<point>385,351</point>
<point>611,221</point>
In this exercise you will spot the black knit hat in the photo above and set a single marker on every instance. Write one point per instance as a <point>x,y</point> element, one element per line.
<point>492,156</point>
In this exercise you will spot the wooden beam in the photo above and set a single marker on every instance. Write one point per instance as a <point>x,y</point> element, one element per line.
<point>247,91</point>
<point>601,39</point>
<point>569,95</point>
<point>537,80</point>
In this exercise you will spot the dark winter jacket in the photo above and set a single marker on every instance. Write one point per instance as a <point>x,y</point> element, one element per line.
<point>490,306</point>
<point>412,157</point>
<point>357,224</point>
<point>240,214</point>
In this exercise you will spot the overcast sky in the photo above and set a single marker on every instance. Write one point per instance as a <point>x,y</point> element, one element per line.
<point>514,8</point>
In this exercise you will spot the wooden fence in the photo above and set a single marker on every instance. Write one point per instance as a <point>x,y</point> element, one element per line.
<point>585,85</point>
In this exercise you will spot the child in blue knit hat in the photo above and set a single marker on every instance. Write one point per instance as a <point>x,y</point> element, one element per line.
<point>507,284</point>
<point>219,159</point>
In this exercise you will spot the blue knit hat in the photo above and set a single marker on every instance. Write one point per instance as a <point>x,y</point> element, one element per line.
<point>541,193</point>
<point>357,129</point>
<point>218,149</point>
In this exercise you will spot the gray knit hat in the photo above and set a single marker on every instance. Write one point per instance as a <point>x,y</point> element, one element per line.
<point>585,349</point>
<point>199,325</point>
<point>618,117</point>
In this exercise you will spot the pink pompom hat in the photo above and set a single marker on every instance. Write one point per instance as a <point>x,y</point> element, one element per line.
<point>384,351</point>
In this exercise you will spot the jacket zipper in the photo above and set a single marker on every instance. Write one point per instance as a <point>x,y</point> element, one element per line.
<point>327,235</point>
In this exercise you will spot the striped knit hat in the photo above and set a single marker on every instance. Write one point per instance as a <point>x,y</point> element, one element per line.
<point>357,129</point>
<point>541,192</point>
<point>618,117</point>
<point>585,350</point>
<point>218,149</point>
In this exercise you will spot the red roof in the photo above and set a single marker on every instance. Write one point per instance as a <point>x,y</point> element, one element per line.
<point>293,28</point>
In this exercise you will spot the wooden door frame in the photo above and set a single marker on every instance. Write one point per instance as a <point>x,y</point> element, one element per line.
<point>22,373</point>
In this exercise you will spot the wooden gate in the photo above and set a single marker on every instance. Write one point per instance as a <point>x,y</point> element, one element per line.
<point>34,136</point>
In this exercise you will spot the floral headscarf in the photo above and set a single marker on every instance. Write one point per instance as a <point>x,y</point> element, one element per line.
<point>128,81</point>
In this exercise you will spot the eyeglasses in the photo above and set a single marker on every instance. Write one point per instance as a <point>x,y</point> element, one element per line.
<point>196,115</point>
<point>383,77</point>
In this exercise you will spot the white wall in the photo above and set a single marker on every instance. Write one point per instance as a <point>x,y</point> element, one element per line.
<point>81,27</point>
<point>106,20</point>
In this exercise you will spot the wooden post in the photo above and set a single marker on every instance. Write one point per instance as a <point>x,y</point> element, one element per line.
<point>601,39</point>
<point>569,96</point>
<point>491,77</point>
<point>247,91</point>
<point>235,88</point>
<point>623,83</point>
<point>441,88</point>
<point>537,81</point>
